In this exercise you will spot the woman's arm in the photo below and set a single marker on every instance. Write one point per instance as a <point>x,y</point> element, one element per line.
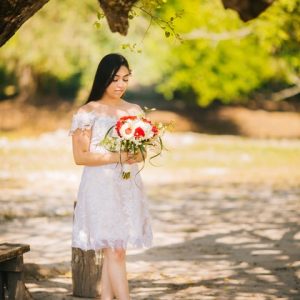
<point>82,156</point>
<point>81,139</point>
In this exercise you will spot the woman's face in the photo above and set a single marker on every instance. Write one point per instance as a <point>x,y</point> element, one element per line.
<point>119,84</point>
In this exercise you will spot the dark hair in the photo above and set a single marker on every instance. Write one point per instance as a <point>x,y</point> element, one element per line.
<point>106,71</point>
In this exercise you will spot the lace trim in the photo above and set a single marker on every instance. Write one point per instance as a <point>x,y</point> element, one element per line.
<point>85,120</point>
<point>82,120</point>
<point>136,223</point>
<point>132,208</point>
<point>114,244</point>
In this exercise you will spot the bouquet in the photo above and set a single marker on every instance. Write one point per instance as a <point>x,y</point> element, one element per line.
<point>134,134</point>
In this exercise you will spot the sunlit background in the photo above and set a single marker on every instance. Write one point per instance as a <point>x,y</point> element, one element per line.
<point>224,197</point>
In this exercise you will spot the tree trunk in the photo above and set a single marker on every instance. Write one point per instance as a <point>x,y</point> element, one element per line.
<point>86,273</point>
<point>27,85</point>
<point>13,13</point>
<point>116,12</point>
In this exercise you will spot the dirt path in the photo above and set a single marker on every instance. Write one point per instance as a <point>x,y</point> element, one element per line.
<point>216,236</point>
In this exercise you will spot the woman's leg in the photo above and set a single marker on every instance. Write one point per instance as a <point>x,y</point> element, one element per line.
<point>116,262</point>
<point>106,288</point>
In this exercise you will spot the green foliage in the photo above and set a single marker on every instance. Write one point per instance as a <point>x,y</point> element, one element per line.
<point>53,43</point>
<point>194,47</point>
<point>279,33</point>
<point>230,59</point>
<point>64,42</point>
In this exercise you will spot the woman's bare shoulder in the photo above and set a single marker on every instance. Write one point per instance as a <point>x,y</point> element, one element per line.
<point>86,108</point>
<point>134,107</point>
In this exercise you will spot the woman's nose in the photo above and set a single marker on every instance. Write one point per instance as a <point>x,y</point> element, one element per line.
<point>120,83</point>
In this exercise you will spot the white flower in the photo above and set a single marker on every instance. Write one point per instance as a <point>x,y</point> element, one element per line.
<point>127,131</point>
<point>147,128</point>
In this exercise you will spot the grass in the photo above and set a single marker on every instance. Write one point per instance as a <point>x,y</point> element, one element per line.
<point>240,158</point>
<point>234,152</point>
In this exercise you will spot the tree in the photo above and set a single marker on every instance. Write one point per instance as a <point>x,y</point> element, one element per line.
<point>57,51</point>
<point>224,59</point>
<point>57,46</point>
<point>13,13</point>
<point>247,9</point>
<point>221,57</point>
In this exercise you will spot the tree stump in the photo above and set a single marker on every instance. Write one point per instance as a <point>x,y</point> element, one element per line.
<point>86,272</point>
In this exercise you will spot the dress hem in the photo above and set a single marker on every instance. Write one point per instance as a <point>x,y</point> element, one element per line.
<point>128,246</point>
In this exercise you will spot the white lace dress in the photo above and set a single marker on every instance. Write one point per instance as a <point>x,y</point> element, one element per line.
<point>110,211</point>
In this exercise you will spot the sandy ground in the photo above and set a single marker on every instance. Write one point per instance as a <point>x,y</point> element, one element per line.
<point>216,236</point>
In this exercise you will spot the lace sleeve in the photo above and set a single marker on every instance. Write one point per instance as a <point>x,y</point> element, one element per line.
<point>82,120</point>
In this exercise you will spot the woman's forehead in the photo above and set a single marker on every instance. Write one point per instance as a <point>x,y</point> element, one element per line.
<point>123,71</point>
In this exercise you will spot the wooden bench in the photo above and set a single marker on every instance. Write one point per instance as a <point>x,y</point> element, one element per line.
<point>12,285</point>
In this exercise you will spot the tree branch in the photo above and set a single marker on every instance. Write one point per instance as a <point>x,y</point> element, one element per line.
<point>116,12</point>
<point>13,13</point>
<point>286,93</point>
<point>217,36</point>
<point>247,9</point>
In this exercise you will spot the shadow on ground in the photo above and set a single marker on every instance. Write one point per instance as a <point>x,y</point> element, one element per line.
<point>264,266</point>
<point>230,242</point>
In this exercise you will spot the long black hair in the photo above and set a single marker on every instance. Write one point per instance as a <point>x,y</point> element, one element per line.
<point>106,71</point>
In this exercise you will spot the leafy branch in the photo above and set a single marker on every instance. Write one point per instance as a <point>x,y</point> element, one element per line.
<point>167,26</point>
<point>148,8</point>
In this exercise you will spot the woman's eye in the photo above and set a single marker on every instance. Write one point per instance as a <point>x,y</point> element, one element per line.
<point>116,80</point>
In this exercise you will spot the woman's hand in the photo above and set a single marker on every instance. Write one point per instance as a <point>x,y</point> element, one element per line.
<point>135,158</point>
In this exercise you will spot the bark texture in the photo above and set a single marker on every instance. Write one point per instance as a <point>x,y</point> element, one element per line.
<point>116,12</point>
<point>86,273</point>
<point>13,13</point>
<point>248,9</point>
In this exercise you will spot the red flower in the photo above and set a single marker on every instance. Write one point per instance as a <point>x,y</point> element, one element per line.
<point>122,121</point>
<point>118,127</point>
<point>154,129</point>
<point>139,132</point>
<point>125,118</point>
<point>146,121</point>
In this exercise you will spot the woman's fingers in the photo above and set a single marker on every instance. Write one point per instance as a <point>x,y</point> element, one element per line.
<point>131,158</point>
<point>133,161</point>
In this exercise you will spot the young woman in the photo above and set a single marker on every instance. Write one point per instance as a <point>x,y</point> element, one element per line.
<point>111,212</point>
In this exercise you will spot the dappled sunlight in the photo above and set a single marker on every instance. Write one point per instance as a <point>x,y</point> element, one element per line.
<point>241,257</point>
<point>217,234</point>
<point>58,287</point>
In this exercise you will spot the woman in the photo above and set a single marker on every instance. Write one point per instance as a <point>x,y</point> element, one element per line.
<point>111,212</point>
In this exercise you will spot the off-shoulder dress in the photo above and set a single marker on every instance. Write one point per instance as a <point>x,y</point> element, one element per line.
<point>111,212</point>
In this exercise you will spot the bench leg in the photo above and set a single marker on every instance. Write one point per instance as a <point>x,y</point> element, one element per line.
<point>15,285</point>
<point>1,286</point>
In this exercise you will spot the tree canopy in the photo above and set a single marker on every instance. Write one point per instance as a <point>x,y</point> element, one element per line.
<point>225,59</point>
<point>13,13</point>
<point>194,48</point>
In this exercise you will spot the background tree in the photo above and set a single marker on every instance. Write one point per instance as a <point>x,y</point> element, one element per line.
<point>225,59</point>
<point>201,59</point>
<point>13,13</point>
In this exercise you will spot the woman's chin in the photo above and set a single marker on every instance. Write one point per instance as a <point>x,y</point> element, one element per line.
<point>117,95</point>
